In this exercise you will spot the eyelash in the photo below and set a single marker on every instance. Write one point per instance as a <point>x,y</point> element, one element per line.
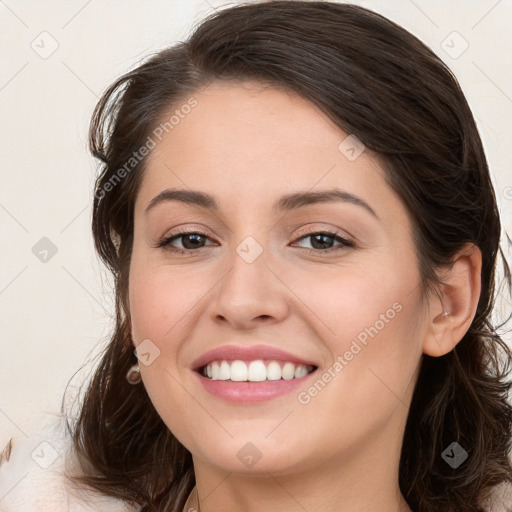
<point>165,242</point>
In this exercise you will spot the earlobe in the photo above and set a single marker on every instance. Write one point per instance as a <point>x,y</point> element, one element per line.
<point>451,312</point>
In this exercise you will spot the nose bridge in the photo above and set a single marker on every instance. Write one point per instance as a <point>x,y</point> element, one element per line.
<point>250,289</point>
<point>249,277</point>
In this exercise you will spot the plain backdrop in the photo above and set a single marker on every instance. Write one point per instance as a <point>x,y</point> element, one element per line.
<point>57,57</point>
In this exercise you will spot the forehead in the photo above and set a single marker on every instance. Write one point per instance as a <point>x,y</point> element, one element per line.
<point>248,141</point>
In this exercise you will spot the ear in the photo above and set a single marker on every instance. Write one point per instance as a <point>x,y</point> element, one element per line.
<point>126,308</point>
<point>451,312</point>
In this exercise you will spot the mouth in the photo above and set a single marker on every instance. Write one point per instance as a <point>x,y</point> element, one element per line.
<point>243,375</point>
<point>239,382</point>
<point>258,370</point>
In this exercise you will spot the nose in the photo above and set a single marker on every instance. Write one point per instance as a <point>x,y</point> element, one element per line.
<point>250,293</point>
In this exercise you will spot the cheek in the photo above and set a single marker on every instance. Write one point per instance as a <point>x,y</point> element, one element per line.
<point>347,300</point>
<point>159,297</point>
<point>371,322</point>
<point>375,351</point>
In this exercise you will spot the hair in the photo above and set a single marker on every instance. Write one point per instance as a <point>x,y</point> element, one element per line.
<point>377,81</point>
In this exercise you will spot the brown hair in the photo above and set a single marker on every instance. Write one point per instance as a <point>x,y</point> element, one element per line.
<point>374,80</point>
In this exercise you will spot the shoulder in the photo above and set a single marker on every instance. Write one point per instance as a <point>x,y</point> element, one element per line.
<point>500,500</point>
<point>33,470</point>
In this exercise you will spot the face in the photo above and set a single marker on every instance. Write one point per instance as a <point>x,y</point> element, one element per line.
<point>333,284</point>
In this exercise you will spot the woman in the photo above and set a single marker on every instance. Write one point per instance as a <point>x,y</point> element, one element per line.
<point>298,212</point>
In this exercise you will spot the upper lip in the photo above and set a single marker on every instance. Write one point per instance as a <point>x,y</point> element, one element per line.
<point>248,353</point>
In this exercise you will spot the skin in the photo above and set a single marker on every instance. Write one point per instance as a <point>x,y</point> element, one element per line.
<point>247,145</point>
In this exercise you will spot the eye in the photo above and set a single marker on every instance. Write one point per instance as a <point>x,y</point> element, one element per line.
<point>320,239</point>
<point>196,240</point>
<point>193,240</point>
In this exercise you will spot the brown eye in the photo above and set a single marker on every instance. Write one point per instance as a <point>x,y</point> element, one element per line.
<point>190,241</point>
<point>322,241</point>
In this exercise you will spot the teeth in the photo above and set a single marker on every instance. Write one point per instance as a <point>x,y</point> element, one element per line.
<point>255,371</point>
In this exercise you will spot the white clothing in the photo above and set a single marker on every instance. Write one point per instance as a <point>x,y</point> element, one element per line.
<point>33,478</point>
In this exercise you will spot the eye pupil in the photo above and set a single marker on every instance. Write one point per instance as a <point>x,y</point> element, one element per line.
<point>323,243</point>
<point>193,236</point>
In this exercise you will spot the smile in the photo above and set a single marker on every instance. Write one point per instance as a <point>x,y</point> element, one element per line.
<point>248,382</point>
<point>255,371</point>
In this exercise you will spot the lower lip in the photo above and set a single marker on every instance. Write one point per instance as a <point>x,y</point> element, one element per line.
<point>250,392</point>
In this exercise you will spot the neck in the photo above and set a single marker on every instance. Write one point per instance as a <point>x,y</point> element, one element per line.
<point>364,480</point>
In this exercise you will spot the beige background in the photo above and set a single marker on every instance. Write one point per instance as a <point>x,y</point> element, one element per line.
<point>54,315</point>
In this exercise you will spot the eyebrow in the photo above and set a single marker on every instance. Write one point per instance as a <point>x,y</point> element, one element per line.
<point>284,204</point>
